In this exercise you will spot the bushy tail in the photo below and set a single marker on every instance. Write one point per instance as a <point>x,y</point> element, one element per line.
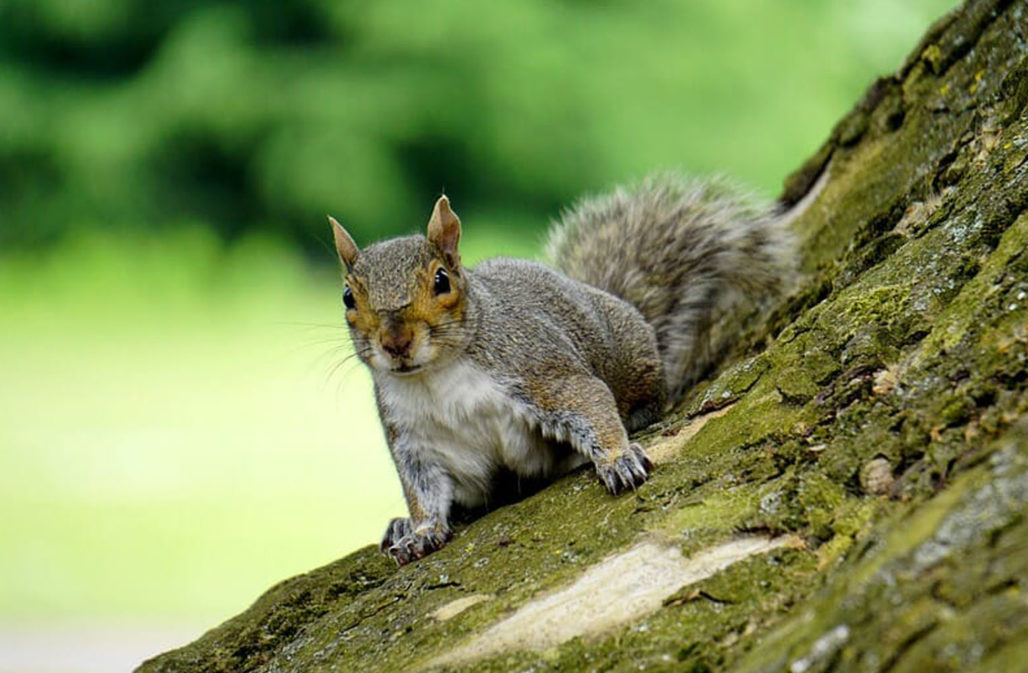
<point>682,251</point>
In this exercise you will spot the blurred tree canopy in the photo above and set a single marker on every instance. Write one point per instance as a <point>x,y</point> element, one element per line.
<point>261,115</point>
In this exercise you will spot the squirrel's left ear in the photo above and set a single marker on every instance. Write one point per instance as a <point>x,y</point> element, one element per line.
<point>345,246</point>
<point>444,231</point>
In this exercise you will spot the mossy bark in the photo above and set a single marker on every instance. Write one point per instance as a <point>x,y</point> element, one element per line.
<point>874,417</point>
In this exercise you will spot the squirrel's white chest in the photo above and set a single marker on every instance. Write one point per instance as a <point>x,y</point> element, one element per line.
<point>461,419</point>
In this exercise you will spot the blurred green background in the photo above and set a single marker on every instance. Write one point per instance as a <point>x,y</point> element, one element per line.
<point>176,430</point>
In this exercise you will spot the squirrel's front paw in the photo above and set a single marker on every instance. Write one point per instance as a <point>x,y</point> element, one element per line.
<point>627,471</point>
<point>406,542</point>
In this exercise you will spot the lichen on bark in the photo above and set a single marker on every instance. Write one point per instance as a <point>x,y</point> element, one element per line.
<point>873,418</point>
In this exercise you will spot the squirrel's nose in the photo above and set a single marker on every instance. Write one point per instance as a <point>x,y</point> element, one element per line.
<point>397,341</point>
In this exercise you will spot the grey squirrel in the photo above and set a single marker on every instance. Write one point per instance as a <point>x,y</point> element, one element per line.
<point>536,369</point>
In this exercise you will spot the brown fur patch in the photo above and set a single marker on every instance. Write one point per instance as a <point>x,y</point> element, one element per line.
<point>417,512</point>
<point>589,398</point>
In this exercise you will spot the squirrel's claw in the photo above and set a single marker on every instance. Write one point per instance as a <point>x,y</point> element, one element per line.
<point>404,543</point>
<point>627,471</point>
<point>395,531</point>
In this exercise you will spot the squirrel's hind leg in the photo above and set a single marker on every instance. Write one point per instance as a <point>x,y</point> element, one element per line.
<point>581,410</point>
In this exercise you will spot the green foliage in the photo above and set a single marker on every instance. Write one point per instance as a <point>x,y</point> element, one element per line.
<point>122,114</point>
<point>181,424</point>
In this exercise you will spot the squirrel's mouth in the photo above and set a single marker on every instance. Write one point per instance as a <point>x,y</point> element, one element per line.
<point>405,369</point>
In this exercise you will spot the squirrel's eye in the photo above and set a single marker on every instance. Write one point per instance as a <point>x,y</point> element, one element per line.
<point>442,282</point>
<point>348,299</point>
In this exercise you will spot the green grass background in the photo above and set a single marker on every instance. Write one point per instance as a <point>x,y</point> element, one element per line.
<point>176,429</point>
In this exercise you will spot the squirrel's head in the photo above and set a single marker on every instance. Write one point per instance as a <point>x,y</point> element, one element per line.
<point>405,298</point>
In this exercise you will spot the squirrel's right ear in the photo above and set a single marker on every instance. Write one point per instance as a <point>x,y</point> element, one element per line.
<point>345,246</point>
<point>444,231</point>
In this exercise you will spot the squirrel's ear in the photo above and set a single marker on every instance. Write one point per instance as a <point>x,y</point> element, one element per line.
<point>444,230</point>
<point>345,246</point>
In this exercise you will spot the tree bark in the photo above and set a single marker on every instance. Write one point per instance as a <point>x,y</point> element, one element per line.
<point>855,478</point>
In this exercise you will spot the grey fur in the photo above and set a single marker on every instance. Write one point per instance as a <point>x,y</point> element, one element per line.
<point>542,360</point>
<point>538,335</point>
<point>682,251</point>
<point>389,264</point>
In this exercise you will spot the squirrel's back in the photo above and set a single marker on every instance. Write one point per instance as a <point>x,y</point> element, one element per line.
<point>543,323</point>
<point>681,251</point>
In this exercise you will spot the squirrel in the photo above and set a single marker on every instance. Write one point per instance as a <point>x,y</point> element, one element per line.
<point>534,368</point>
